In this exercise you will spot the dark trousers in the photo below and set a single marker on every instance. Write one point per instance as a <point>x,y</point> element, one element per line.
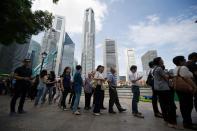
<point>155,101</point>
<point>113,98</point>
<point>136,98</point>
<point>73,100</point>
<point>64,95</point>
<point>70,98</point>
<point>195,101</point>
<point>88,99</point>
<point>186,106</point>
<point>102,98</point>
<point>97,95</point>
<point>54,92</point>
<point>20,91</point>
<point>167,106</point>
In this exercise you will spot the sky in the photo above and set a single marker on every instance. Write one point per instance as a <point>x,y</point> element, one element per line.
<point>167,26</point>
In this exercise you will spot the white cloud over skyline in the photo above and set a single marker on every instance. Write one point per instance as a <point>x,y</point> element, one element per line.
<point>73,11</point>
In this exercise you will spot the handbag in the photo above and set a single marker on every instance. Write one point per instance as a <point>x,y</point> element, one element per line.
<point>183,84</point>
<point>104,85</point>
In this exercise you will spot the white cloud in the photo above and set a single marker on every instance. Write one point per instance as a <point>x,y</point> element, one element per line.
<point>73,10</point>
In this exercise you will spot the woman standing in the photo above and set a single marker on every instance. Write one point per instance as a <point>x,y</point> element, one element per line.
<point>41,86</point>
<point>88,89</point>
<point>49,87</point>
<point>99,78</point>
<point>185,98</point>
<point>65,86</point>
<point>164,93</point>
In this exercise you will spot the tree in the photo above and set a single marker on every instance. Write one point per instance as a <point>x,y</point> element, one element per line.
<point>18,22</point>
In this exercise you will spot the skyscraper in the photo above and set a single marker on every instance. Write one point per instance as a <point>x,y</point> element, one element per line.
<point>110,56</point>
<point>68,53</point>
<point>146,58</point>
<point>88,45</point>
<point>130,60</point>
<point>53,40</point>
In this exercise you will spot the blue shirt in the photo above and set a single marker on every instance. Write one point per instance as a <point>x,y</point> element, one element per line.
<point>112,79</point>
<point>78,82</point>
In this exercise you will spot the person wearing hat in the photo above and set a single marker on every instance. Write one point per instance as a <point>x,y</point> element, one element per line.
<point>22,75</point>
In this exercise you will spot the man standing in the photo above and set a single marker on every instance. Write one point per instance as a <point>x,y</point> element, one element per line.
<point>134,78</point>
<point>113,93</point>
<point>23,76</point>
<point>191,64</point>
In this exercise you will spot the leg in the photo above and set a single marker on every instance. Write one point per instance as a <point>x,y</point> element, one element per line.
<point>135,100</point>
<point>154,102</point>
<point>14,98</point>
<point>73,100</point>
<point>70,98</point>
<point>186,105</point>
<point>39,94</point>
<point>195,101</point>
<point>76,103</point>
<point>22,99</point>
<point>45,90</point>
<point>111,99</point>
<point>117,102</point>
<point>64,95</point>
<point>97,94</point>
<point>102,99</point>
<point>50,94</point>
<point>86,100</point>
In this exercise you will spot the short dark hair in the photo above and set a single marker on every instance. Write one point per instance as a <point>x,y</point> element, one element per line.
<point>151,64</point>
<point>43,73</point>
<point>99,66</point>
<point>192,55</point>
<point>178,59</point>
<point>156,60</point>
<point>133,67</point>
<point>78,67</point>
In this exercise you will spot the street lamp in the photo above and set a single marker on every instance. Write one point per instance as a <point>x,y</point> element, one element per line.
<point>44,55</point>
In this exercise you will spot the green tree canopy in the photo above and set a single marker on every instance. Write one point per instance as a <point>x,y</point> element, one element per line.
<point>18,22</point>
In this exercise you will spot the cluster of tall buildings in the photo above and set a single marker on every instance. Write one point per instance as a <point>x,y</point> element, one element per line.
<point>60,51</point>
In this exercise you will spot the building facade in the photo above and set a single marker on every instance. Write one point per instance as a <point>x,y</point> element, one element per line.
<point>88,44</point>
<point>12,56</point>
<point>53,42</point>
<point>110,57</point>
<point>34,53</point>
<point>130,60</point>
<point>146,58</point>
<point>68,53</point>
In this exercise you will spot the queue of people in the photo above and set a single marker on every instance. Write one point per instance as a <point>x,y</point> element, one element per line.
<point>163,84</point>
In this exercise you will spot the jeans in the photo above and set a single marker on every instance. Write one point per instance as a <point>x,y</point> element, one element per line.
<point>167,106</point>
<point>113,99</point>
<point>97,99</point>
<point>186,106</point>
<point>136,98</point>
<point>50,91</point>
<point>102,98</point>
<point>20,91</point>
<point>76,103</point>
<point>39,96</point>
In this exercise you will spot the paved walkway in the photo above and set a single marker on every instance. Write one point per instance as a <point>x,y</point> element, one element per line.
<point>51,118</point>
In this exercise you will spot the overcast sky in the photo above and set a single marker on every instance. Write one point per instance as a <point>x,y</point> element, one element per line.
<point>164,25</point>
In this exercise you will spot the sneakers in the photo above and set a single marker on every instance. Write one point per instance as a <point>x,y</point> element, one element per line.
<point>159,115</point>
<point>122,110</point>
<point>77,113</point>
<point>22,112</point>
<point>97,114</point>
<point>139,115</point>
<point>65,109</point>
<point>112,112</point>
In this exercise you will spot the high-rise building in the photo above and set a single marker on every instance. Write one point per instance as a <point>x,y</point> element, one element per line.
<point>146,58</point>
<point>53,41</point>
<point>12,56</point>
<point>88,44</point>
<point>110,58</point>
<point>34,53</point>
<point>130,60</point>
<point>68,53</point>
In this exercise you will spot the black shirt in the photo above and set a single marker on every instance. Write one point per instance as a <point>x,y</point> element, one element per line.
<point>23,72</point>
<point>51,80</point>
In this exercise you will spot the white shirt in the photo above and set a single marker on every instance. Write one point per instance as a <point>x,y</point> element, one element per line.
<point>99,75</point>
<point>134,76</point>
<point>184,72</point>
